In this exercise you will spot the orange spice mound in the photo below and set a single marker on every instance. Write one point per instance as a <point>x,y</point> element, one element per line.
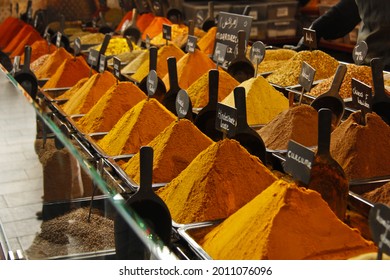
<point>144,20</point>
<point>207,42</point>
<point>9,28</point>
<point>285,222</point>
<point>52,64</point>
<point>29,40</point>
<point>174,149</point>
<point>39,48</point>
<point>70,92</point>
<point>89,94</point>
<point>118,99</point>
<point>19,38</point>
<point>69,73</point>
<point>190,68</point>
<point>219,181</point>
<point>155,27</point>
<point>136,128</point>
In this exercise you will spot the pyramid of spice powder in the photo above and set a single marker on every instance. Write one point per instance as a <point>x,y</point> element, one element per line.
<point>285,222</point>
<point>162,67</point>
<point>174,149</point>
<point>190,68</point>
<point>218,182</point>
<point>263,101</point>
<point>89,94</point>
<point>70,92</point>
<point>199,90</point>
<point>52,63</point>
<point>363,151</point>
<point>140,125</point>
<point>69,73</point>
<point>299,123</point>
<point>111,107</point>
<point>207,42</point>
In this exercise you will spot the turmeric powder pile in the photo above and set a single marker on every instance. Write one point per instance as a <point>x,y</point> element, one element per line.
<point>162,67</point>
<point>111,107</point>
<point>69,73</point>
<point>207,42</point>
<point>299,123</point>
<point>70,92</point>
<point>285,222</point>
<point>90,93</point>
<point>136,63</point>
<point>288,74</point>
<point>274,59</point>
<point>136,128</point>
<point>52,63</point>
<point>199,90</point>
<point>263,101</point>
<point>218,182</point>
<point>174,149</point>
<point>179,36</point>
<point>190,68</point>
<point>116,46</point>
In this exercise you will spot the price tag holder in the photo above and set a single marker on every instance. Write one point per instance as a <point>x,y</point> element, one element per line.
<point>167,32</point>
<point>58,39</point>
<point>219,53</point>
<point>102,63</point>
<point>361,96</point>
<point>299,161</point>
<point>379,222</point>
<point>117,68</point>
<point>182,104</point>
<point>226,120</point>
<point>257,54</point>
<point>227,33</point>
<point>191,44</point>
<point>310,38</point>
<point>152,83</point>
<point>359,52</point>
<point>77,46</point>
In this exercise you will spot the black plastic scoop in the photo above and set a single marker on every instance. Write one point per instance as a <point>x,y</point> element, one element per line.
<point>5,61</point>
<point>332,99</point>
<point>174,14</point>
<point>25,77</point>
<point>380,100</point>
<point>240,67</point>
<point>205,120</point>
<point>247,137</point>
<point>210,20</point>
<point>169,100</point>
<point>161,89</point>
<point>132,30</point>
<point>327,176</point>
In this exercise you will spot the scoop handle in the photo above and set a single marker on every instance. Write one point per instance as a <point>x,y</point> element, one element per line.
<point>153,58</point>
<point>338,79</point>
<point>146,169</point>
<point>172,72</point>
<point>240,102</point>
<point>324,131</point>
<point>241,43</point>
<point>210,9</point>
<point>27,58</point>
<point>213,87</point>
<point>377,78</point>
<point>191,27</point>
<point>133,22</point>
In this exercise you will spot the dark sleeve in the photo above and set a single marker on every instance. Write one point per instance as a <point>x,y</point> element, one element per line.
<point>338,21</point>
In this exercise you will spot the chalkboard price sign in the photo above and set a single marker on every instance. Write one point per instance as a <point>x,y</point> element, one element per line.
<point>359,52</point>
<point>306,77</point>
<point>219,53</point>
<point>58,39</point>
<point>379,221</point>
<point>226,119</point>
<point>299,160</point>
<point>167,32</point>
<point>191,43</point>
<point>227,33</point>
<point>361,96</point>
<point>77,46</point>
<point>117,67</point>
<point>93,57</point>
<point>102,63</point>
<point>310,38</point>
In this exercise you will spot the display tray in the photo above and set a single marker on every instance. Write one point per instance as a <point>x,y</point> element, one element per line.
<point>51,94</point>
<point>42,82</point>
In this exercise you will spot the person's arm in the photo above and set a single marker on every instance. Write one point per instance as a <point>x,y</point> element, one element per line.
<point>338,21</point>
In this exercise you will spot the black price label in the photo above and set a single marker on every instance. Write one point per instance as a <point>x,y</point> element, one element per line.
<point>77,46</point>
<point>361,96</point>
<point>182,103</point>
<point>93,57</point>
<point>306,77</point>
<point>257,52</point>
<point>379,221</point>
<point>310,38</point>
<point>191,44</point>
<point>359,52</point>
<point>167,32</point>
<point>220,53</point>
<point>152,82</point>
<point>102,63</point>
<point>227,33</point>
<point>58,39</point>
<point>226,119</point>
<point>299,161</point>
<point>117,67</point>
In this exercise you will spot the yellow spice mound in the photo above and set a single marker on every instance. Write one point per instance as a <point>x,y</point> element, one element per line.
<point>111,107</point>
<point>285,222</point>
<point>207,42</point>
<point>90,93</point>
<point>69,73</point>
<point>174,149</point>
<point>162,66</point>
<point>190,68</point>
<point>199,90</point>
<point>218,182</point>
<point>52,63</point>
<point>263,101</point>
<point>69,93</point>
<point>133,66</point>
<point>136,128</point>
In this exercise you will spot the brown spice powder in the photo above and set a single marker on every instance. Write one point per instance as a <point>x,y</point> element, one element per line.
<point>379,195</point>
